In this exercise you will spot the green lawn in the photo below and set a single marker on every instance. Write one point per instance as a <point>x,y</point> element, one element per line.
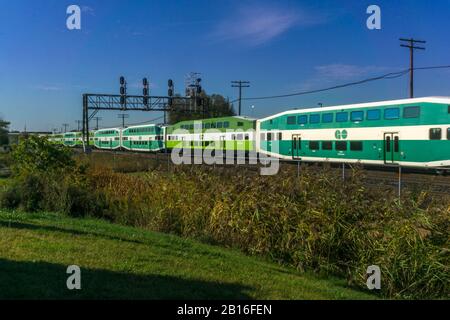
<point>128,263</point>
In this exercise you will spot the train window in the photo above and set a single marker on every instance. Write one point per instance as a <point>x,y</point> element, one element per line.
<point>357,116</point>
<point>342,117</point>
<point>219,125</point>
<point>435,134</point>
<point>291,120</point>
<point>240,124</point>
<point>341,145</point>
<point>247,137</point>
<point>448,133</point>
<point>269,136</point>
<point>411,112</point>
<point>280,136</point>
<point>327,145</point>
<point>262,137</point>
<point>314,118</point>
<point>213,125</point>
<point>207,125</point>
<point>356,145</point>
<point>302,119</point>
<point>314,145</point>
<point>226,124</point>
<point>373,114</point>
<point>191,127</point>
<point>239,136</point>
<point>448,110</point>
<point>327,117</point>
<point>391,113</point>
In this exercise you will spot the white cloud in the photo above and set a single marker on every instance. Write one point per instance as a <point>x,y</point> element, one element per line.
<point>47,88</point>
<point>336,73</point>
<point>259,25</point>
<point>346,72</point>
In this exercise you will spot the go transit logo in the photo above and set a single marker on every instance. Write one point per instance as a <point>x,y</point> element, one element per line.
<point>341,134</point>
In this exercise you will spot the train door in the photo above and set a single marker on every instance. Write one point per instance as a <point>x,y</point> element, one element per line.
<point>391,147</point>
<point>296,146</point>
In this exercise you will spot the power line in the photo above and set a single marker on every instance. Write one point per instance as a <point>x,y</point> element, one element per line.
<point>240,84</point>
<point>391,75</point>
<point>411,46</point>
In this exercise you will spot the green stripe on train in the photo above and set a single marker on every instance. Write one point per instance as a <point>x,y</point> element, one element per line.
<point>408,150</point>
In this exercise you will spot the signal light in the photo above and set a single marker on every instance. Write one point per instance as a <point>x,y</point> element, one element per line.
<point>123,91</point>
<point>170,92</point>
<point>145,82</point>
<point>170,83</point>
<point>122,81</point>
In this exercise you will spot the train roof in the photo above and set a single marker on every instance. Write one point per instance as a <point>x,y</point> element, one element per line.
<point>142,125</point>
<point>433,99</point>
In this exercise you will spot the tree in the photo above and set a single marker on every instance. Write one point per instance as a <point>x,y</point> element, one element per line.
<point>4,132</point>
<point>216,106</point>
<point>38,155</point>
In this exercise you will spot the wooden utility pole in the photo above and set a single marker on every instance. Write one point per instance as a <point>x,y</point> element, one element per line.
<point>240,84</point>
<point>411,45</point>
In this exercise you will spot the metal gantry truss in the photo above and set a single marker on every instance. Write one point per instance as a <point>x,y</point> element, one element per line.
<point>98,102</point>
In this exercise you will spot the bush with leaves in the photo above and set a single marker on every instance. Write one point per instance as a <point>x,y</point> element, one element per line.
<point>46,178</point>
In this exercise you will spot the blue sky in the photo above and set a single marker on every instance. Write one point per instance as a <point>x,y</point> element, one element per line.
<point>280,46</point>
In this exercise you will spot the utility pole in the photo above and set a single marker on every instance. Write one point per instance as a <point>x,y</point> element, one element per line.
<point>411,45</point>
<point>97,119</point>
<point>240,84</point>
<point>78,124</point>
<point>65,125</point>
<point>123,116</point>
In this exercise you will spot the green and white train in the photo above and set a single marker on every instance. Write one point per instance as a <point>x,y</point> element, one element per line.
<point>226,133</point>
<point>409,132</point>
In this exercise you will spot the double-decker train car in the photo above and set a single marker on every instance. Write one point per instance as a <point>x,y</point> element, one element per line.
<point>73,139</point>
<point>409,132</point>
<point>56,138</point>
<point>145,138</point>
<point>227,133</point>
<point>109,139</point>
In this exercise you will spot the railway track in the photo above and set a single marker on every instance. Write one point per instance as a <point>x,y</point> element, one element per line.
<point>386,177</point>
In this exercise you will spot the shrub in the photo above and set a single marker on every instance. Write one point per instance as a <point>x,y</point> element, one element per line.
<point>315,222</point>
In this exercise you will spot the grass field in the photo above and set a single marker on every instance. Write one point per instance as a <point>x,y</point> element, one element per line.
<point>127,263</point>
